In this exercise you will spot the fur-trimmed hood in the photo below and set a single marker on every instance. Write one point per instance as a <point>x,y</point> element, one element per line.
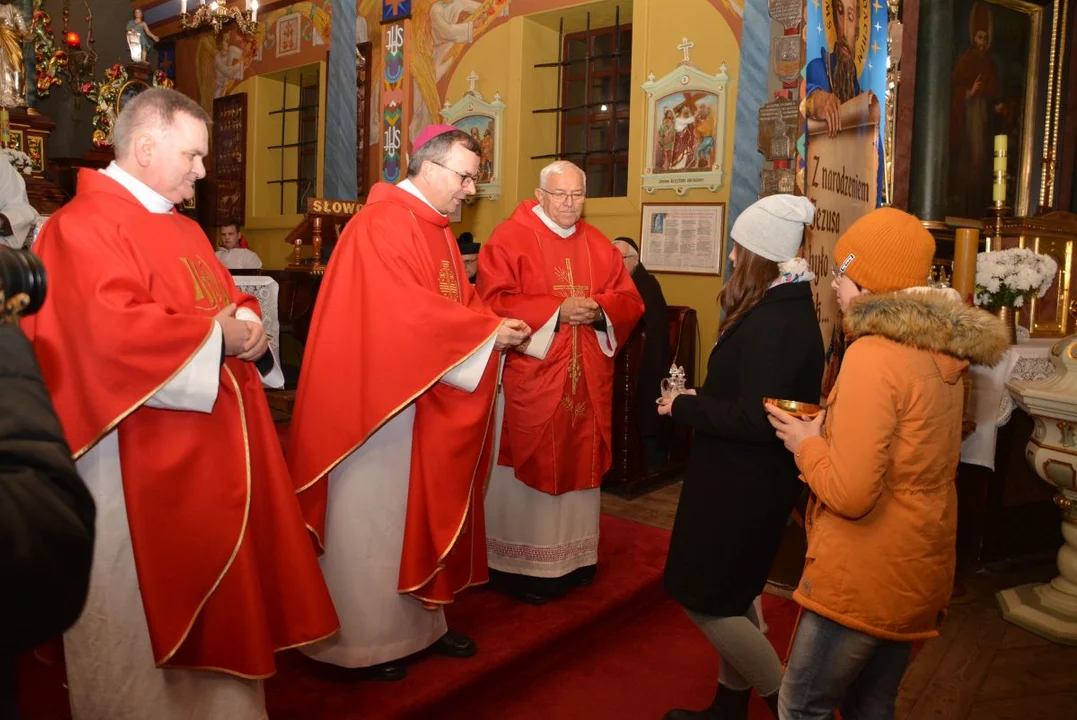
<point>930,321</point>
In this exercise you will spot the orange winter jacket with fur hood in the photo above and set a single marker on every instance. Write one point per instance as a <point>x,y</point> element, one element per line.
<point>882,521</point>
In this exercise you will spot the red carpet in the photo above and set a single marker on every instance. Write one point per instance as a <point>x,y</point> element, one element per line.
<point>619,649</point>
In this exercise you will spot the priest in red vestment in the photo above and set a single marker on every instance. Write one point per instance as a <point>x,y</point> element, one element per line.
<point>203,566</point>
<point>392,434</point>
<point>565,278</point>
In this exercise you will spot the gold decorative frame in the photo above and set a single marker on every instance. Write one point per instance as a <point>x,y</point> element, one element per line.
<point>110,92</point>
<point>1022,201</point>
<point>35,149</point>
<point>15,140</point>
<point>1053,115</point>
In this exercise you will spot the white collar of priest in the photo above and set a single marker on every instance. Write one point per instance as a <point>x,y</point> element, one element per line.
<point>150,199</point>
<point>409,187</point>
<point>563,232</point>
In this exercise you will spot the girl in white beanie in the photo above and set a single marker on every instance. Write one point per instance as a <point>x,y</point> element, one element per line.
<point>741,484</point>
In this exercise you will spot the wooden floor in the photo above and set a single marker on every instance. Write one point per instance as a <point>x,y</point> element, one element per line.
<point>980,668</point>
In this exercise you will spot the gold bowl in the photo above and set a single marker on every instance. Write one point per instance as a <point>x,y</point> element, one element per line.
<point>802,410</point>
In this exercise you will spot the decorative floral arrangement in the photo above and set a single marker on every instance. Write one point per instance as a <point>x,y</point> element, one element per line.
<point>48,59</point>
<point>19,159</point>
<point>1005,278</point>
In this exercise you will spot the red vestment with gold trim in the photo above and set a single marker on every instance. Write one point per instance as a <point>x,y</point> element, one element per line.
<point>395,313</point>
<point>557,428</point>
<point>224,562</point>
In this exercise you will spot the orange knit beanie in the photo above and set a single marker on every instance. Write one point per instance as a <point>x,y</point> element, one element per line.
<point>885,251</point>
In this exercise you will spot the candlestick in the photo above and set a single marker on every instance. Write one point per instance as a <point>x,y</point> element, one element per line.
<point>998,193</point>
<point>966,244</point>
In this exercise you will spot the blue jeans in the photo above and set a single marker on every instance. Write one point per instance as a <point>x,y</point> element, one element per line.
<point>832,667</point>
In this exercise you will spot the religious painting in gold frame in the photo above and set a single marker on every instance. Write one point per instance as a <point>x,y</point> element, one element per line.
<point>994,90</point>
<point>128,91</point>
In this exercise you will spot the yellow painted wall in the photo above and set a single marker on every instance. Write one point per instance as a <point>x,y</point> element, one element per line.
<point>504,58</point>
<point>266,228</point>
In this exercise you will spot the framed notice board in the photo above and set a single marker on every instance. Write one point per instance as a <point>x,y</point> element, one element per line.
<point>230,158</point>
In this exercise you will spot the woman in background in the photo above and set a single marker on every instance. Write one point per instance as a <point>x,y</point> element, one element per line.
<point>741,484</point>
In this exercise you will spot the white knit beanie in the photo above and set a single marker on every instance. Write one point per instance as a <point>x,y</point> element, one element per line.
<point>774,226</point>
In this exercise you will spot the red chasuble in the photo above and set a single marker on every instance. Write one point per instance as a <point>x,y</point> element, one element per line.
<point>394,314</point>
<point>557,428</point>
<point>224,561</point>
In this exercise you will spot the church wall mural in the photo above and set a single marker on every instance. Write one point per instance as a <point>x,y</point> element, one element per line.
<point>845,88</point>
<point>443,30</point>
<point>288,36</point>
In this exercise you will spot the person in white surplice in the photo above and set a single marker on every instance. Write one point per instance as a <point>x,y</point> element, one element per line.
<point>202,566</point>
<point>17,216</point>
<point>560,274</point>
<point>233,251</point>
<point>392,433</point>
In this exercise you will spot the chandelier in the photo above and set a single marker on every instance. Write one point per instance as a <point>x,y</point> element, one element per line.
<point>218,13</point>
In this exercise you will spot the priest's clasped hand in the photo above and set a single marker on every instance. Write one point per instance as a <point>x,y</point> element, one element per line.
<point>512,333</point>
<point>580,311</point>
<point>244,339</point>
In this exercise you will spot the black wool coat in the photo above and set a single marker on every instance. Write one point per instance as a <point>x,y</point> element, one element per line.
<point>741,483</point>
<point>46,516</point>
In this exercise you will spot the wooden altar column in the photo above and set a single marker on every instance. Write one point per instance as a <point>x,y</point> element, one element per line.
<point>931,114</point>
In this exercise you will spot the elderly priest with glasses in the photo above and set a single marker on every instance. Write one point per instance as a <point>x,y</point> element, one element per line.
<point>563,277</point>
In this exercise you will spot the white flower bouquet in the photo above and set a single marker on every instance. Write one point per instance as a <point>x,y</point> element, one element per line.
<point>1005,278</point>
<point>19,159</point>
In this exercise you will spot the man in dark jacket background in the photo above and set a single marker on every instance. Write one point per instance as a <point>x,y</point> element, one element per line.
<point>656,355</point>
<point>46,516</point>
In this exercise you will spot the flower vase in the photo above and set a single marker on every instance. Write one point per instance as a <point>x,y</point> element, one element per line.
<point>1008,316</point>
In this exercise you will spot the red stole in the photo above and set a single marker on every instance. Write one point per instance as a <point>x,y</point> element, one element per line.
<point>223,558</point>
<point>396,313</point>
<point>557,428</point>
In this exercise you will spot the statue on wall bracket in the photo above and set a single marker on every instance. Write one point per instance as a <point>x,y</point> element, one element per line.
<point>686,128</point>
<point>485,122</point>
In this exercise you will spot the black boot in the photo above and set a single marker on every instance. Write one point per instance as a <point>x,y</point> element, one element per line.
<point>728,705</point>
<point>732,704</point>
<point>772,703</point>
